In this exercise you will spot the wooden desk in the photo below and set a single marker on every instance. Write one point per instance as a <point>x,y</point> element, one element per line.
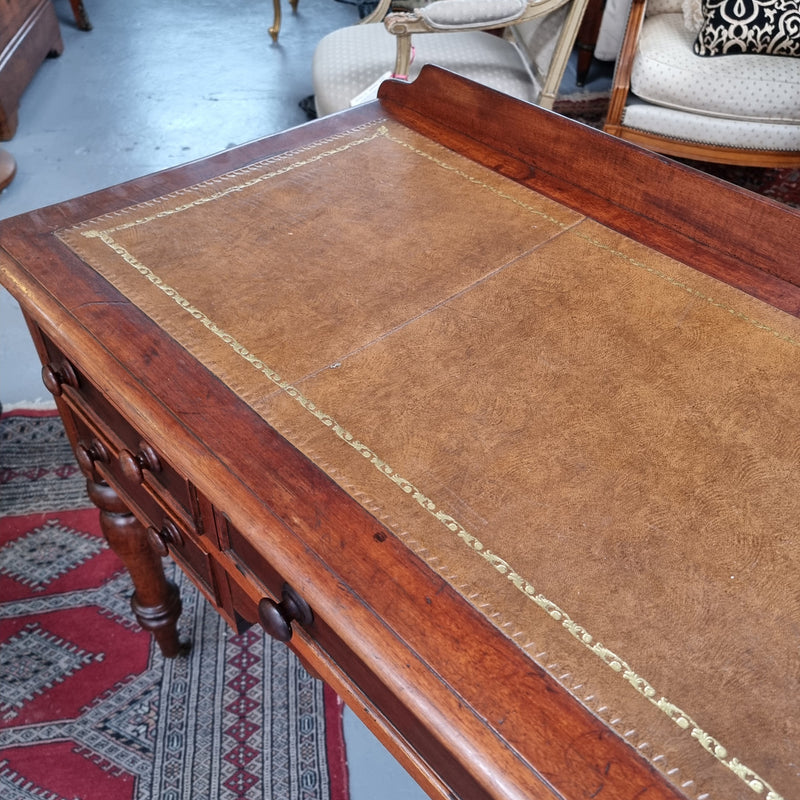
<point>510,405</point>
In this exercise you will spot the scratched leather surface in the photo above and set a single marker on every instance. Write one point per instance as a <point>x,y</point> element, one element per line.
<point>596,445</point>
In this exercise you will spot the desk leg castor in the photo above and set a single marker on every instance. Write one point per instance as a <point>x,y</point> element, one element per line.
<point>156,601</point>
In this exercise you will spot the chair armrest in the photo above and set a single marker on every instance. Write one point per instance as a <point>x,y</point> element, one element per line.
<point>447,16</point>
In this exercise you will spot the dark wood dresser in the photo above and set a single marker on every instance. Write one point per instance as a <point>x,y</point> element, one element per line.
<point>491,417</point>
<point>29,33</point>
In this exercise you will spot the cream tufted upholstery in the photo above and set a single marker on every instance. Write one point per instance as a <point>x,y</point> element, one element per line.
<point>527,62</point>
<point>734,108</point>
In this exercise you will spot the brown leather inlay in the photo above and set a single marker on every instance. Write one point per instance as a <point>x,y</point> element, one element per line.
<point>596,445</point>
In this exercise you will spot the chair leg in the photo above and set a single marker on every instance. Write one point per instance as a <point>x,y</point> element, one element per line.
<point>587,38</point>
<point>276,20</point>
<point>81,17</point>
<point>403,57</point>
<point>564,46</point>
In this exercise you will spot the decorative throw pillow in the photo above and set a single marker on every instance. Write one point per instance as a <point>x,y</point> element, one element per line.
<point>770,27</point>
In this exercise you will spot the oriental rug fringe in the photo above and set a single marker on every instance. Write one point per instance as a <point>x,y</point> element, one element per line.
<point>90,709</point>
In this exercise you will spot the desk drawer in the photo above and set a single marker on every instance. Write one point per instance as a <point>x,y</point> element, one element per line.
<point>167,537</point>
<point>169,533</point>
<point>247,558</point>
<point>98,455</point>
<point>140,462</point>
<point>257,588</point>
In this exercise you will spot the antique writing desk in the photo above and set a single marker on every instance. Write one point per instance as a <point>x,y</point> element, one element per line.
<point>497,414</point>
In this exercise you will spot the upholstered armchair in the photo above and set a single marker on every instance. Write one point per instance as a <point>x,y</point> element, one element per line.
<point>519,47</point>
<point>698,79</point>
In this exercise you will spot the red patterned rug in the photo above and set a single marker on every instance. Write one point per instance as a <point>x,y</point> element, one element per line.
<point>782,185</point>
<point>88,707</point>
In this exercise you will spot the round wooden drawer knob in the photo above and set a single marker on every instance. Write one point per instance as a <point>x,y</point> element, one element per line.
<point>133,466</point>
<point>276,618</point>
<point>160,540</point>
<point>88,453</point>
<point>55,379</point>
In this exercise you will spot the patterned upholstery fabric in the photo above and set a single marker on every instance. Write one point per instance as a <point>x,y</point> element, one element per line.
<point>362,53</point>
<point>663,7</point>
<point>746,87</point>
<point>539,37</point>
<point>692,15</point>
<point>730,27</point>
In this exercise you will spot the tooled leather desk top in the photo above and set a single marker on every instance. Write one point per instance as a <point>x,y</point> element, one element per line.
<point>596,445</point>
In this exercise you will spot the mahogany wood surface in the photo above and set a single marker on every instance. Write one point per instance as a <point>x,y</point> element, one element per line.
<point>434,678</point>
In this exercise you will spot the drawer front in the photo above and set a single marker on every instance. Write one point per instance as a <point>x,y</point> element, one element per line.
<point>167,537</point>
<point>141,462</point>
<point>245,559</point>
<point>99,454</point>
<point>259,593</point>
<point>169,533</point>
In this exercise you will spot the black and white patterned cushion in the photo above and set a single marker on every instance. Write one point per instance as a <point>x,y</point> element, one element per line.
<point>769,27</point>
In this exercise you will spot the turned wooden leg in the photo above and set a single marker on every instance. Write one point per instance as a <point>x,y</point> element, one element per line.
<point>156,601</point>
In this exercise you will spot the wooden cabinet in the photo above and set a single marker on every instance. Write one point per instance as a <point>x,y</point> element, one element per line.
<point>29,33</point>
